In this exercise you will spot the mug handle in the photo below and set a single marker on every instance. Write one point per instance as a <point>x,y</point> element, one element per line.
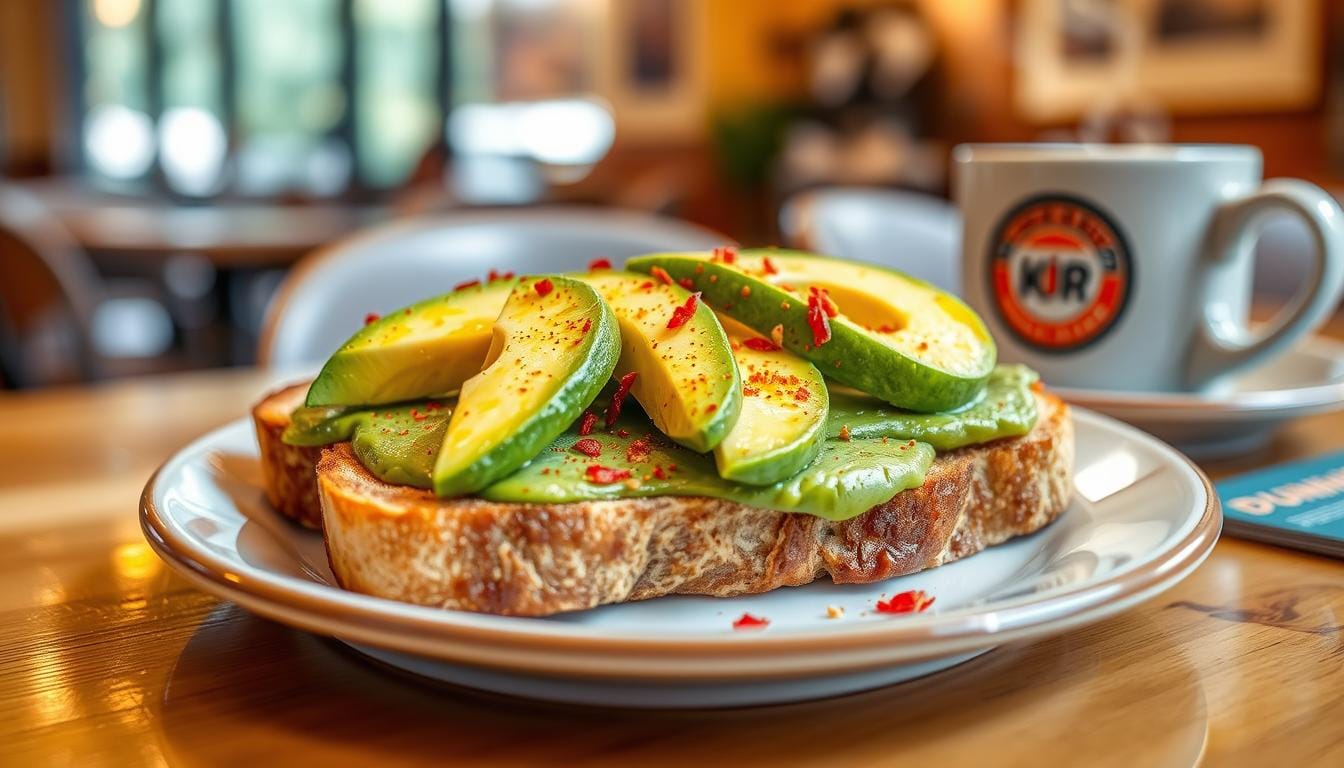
<point>1223,344</point>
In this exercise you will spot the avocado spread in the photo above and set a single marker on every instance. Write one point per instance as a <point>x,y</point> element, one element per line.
<point>888,451</point>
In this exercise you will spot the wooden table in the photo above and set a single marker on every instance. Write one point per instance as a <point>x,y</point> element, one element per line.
<point>107,658</point>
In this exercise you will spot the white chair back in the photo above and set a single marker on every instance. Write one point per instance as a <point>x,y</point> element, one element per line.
<point>327,296</point>
<point>915,233</point>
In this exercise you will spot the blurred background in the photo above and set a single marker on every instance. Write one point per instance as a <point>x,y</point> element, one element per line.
<point>165,163</point>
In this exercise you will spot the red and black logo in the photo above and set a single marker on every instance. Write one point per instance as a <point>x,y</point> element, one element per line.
<point>1060,272</point>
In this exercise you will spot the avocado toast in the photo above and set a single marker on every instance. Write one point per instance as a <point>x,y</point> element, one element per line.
<point>735,468</point>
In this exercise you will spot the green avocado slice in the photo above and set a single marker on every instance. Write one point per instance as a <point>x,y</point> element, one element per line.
<point>784,407</point>
<point>1006,408</point>
<point>892,336</point>
<point>687,380</point>
<point>424,350</point>
<point>397,443</point>
<point>555,345</point>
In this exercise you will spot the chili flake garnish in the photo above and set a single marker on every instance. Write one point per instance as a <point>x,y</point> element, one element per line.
<point>372,317</point>
<point>588,447</point>
<point>617,400</point>
<point>769,266</point>
<point>601,475</point>
<point>687,283</point>
<point>543,286</point>
<point>586,423</point>
<point>659,473</point>
<point>497,275</point>
<point>684,312</point>
<point>760,345</point>
<point>844,432</point>
<point>816,320</point>
<point>727,254</point>
<point>587,325</point>
<point>746,291</point>
<point>466,284</point>
<point>417,415</point>
<point>914,601</point>
<point>622,433</point>
<point>661,274</point>
<point>638,450</point>
<point>597,264</point>
<point>747,621</point>
<point>827,303</point>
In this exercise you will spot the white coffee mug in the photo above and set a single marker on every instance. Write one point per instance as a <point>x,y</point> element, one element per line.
<point>1129,266</point>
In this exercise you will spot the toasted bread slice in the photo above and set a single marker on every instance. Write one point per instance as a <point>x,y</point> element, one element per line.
<point>536,559</point>
<point>289,470</point>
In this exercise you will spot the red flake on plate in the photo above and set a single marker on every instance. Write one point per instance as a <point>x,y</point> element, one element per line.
<point>747,621</point>
<point>913,601</point>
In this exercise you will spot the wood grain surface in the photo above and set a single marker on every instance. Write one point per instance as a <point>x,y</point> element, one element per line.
<point>108,659</point>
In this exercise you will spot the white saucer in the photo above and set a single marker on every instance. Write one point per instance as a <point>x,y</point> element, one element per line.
<point>1143,519</point>
<point>1240,417</point>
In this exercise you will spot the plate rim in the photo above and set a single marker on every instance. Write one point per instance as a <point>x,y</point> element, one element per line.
<point>1254,403</point>
<point>448,634</point>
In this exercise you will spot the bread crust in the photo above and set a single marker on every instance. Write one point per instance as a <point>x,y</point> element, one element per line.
<point>537,559</point>
<point>289,471</point>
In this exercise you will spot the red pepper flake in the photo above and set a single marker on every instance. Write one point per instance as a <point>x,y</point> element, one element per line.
<point>827,303</point>
<point>671,467</point>
<point>372,317</point>
<point>746,291</point>
<point>659,473</point>
<point>497,275</point>
<point>543,286</point>
<point>417,415</point>
<point>601,475</point>
<point>466,284</point>
<point>586,423</point>
<point>727,254</point>
<point>712,407</point>
<point>662,275</point>
<point>433,405</point>
<point>769,266</point>
<point>687,283</point>
<point>683,313</point>
<point>760,345</point>
<point>638,451</point>
<point>801,394</point>
<point>747,621</point>
<point>844,432</point>
<point>597,264</point>
<point>587,325</point>
<point>914,601</point>
<point>816,320</point>
<point>404,432</point>
<point>622,433</point>
<point>588,447</point>
<point>750,391</point>
<point>617,400</point>
<point>647,285</point>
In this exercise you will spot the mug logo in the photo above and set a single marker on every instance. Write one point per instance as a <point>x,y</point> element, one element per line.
<point>1060,272</point>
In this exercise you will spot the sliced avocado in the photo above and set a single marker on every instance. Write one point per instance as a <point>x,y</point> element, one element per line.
<point>424,350</point>
<point>397,443</point>
<point>892,336</point>
<point>1006,408</point>
<point>687,380</point>
<point>555,345</point>
<point>634,461</point>
<point>784,407</point>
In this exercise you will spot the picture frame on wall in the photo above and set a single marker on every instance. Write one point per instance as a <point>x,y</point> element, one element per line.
<point>652,72</point>
<point>1181,56</point>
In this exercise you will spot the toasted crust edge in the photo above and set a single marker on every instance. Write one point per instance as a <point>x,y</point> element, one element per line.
<point>289,471</point>
<point>537,559</point>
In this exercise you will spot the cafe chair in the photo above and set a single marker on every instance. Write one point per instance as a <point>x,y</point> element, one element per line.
<point>49,291</point>
<point>329,293</point>
<point>916,233</point>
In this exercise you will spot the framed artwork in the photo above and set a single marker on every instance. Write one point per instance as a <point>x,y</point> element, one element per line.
<point>1181,56</point>
<point>653,71</point>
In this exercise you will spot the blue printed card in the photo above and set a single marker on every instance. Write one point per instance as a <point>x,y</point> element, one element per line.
<point>1300,505</point>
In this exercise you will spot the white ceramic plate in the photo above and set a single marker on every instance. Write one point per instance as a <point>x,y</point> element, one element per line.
<point>1242,415</point>
<point>1143,518</point>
